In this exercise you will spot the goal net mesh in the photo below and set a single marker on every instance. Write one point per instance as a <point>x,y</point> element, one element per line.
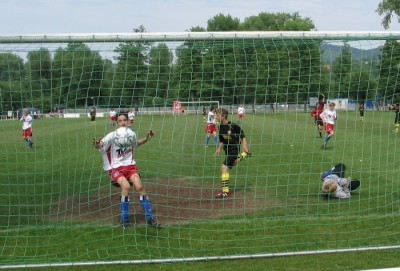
<point>57,204</point>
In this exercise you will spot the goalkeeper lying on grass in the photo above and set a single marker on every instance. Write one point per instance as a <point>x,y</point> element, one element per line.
<point>335,185</point>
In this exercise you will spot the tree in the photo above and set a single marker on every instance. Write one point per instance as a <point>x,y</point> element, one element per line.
<point>388,85</point>
<point>223,22</point>
<point>131,72</point>
<point>77,74</point>
<point>13,91</point>
<point>160,72</point>
<point>387,8</point>
<point>280,21</point>
<point>341,72</point>
<point>39,73</point>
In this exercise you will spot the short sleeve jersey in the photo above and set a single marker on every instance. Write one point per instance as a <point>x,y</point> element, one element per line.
<point>330,116</point>
<point>230,134</point>
<point>114,156</point>
<point>26,122</point>
<point>211,118</point>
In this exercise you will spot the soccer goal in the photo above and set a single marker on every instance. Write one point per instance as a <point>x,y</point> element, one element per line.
<point>57,206</point>
<point>196,108</point>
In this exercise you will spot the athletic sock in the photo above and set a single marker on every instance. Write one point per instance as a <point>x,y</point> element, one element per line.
<point>225,182</point>
<point>145,202</point>
<point>216,140</point>
<point>124,207</point>
<point>207,140</point>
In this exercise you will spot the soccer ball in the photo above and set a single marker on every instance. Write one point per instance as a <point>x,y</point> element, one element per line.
<point>124,137</point>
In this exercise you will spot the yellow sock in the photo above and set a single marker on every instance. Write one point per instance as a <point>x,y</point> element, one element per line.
<point>225,182</point>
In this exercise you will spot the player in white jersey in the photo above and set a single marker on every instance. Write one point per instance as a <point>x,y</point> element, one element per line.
<point>27,132</point>
<point>240,113</point>
<point>112,116</point>
<point>131,117</point>
<point>211,126</point>
<point>121,166</point>
<point>329,116</point>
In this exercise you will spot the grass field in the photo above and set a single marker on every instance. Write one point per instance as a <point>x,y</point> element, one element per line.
<point>57,206</point>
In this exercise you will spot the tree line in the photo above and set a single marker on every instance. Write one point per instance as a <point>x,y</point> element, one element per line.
<point>246,71</point>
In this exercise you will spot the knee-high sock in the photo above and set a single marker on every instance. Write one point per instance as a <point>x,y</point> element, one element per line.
<point>124,207</point>
<point>207,139</point>
<point>326,173</point>
<point>327,138</point>
<point>225,182</point>
<point>216,140</point>
<point>145,202</point>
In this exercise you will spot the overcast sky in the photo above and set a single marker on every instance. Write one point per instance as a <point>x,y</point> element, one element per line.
<point>121,16</point>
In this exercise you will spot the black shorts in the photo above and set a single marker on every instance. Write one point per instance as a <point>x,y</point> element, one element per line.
<point>232,154</point>
<point>319,122</point>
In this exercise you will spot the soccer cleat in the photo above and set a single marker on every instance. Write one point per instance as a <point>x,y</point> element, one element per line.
<point>222,195</point>
<point>153,223</point>
<point>126,225</point>
<point>323,147</point>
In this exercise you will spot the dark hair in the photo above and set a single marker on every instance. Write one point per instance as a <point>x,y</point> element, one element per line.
<point>224,112</point>
<point>121,114</point>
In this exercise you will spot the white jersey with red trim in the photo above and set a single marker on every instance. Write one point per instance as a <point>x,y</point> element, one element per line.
<point>114,156</point>
<point>329,116</point>
<point>211,118</point>
<point>26,122</point>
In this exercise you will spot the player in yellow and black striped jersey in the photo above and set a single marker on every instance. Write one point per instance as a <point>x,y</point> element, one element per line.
<point>231,138</point>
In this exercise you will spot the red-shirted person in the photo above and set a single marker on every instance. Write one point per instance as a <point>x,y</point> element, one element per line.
<point>315,113</point>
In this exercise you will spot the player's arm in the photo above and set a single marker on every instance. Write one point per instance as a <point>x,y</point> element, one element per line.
<point>97,143</point>
<point>244,145</point>
<point>219,148</point>
<point>149,135</point>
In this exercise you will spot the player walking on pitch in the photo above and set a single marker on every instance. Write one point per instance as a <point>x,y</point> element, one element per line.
<point>315,113</point>
<point>395,108</point>
<point>121,166</point>
<point>231,136</point>
<point>27,120</point>
<point>240,113</point>
<point>211,128</point>
<point>329,116</point>
<point>112,116</point>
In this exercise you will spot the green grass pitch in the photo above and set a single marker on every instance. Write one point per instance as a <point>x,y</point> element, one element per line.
<point>56,203</point>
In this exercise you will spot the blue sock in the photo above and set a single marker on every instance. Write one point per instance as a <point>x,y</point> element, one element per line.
<point>326,173</point>
<point>145,202</point>
<point>29,142</point>
<point>124,207</point>
<point>207,140</point>
<point>216,140</point>
<point>327,138</point>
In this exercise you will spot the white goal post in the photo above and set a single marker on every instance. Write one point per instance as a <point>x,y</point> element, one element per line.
<point>194,108</point>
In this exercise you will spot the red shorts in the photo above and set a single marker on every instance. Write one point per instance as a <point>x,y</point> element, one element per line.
<point>240,116</point>
<point>123,171</point>
<point>210,129</point>
<point>329,127</point>
<point>112,118</point>
<point>27,132</point>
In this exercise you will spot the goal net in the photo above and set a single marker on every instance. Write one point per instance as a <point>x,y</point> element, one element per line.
<point>57,205</point>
